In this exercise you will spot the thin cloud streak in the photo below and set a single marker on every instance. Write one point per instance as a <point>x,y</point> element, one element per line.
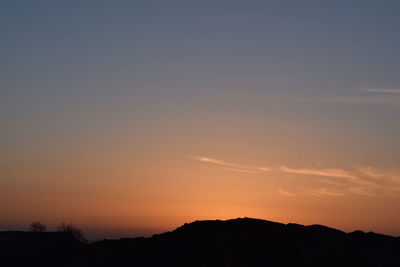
<point>380,96</point>
<point>360,190</point>
<point>334,183</point>
<point>382,90</point>
<point>362,180</point>
<point>382,99</point>
<point>320,172</point>
<point>286,193</point>
<point>357,180</point>
<point>241,170</point>
<point>233,166</point>
<point>322,192</point>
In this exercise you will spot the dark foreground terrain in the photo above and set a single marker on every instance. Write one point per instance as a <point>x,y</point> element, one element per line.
<point>238,242</point>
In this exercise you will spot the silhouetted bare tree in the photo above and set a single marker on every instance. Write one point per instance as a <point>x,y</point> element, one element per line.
<point>72,230</point>
<point>37,227</point>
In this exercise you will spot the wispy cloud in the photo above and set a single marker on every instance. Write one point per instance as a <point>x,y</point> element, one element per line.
<point>321,192</point>
<point>241,170</point>
<point>362,180</point>
<point>320,172</point>
<point>382,90</point>
<point>379,99</point>
<point>391,174</point>
<point>233,166</point>
<point>361,190</point>
<point>356,180</point>
<point>333,182</point>
<point>375,96</point>
<point>286,193</point>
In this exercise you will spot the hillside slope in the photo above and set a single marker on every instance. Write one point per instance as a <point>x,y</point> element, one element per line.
<point>237,242</point>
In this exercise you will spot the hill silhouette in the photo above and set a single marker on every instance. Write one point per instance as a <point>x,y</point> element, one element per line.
<point>236,242</point>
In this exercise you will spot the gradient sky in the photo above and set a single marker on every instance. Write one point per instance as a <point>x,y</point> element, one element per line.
<point>134,117</point>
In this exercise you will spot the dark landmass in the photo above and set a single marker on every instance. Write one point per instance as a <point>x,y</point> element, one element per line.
<point>238,242</point>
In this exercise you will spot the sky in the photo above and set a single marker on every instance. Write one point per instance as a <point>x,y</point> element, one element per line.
<point>131,118</point>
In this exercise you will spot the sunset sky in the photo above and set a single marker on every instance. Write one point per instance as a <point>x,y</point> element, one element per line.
<point>133,117</point>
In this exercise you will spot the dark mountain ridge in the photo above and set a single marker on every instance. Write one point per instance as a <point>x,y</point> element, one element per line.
<point>236,242</point>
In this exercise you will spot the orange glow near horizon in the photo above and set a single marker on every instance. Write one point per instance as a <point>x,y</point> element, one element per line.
<point>171,192</point>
